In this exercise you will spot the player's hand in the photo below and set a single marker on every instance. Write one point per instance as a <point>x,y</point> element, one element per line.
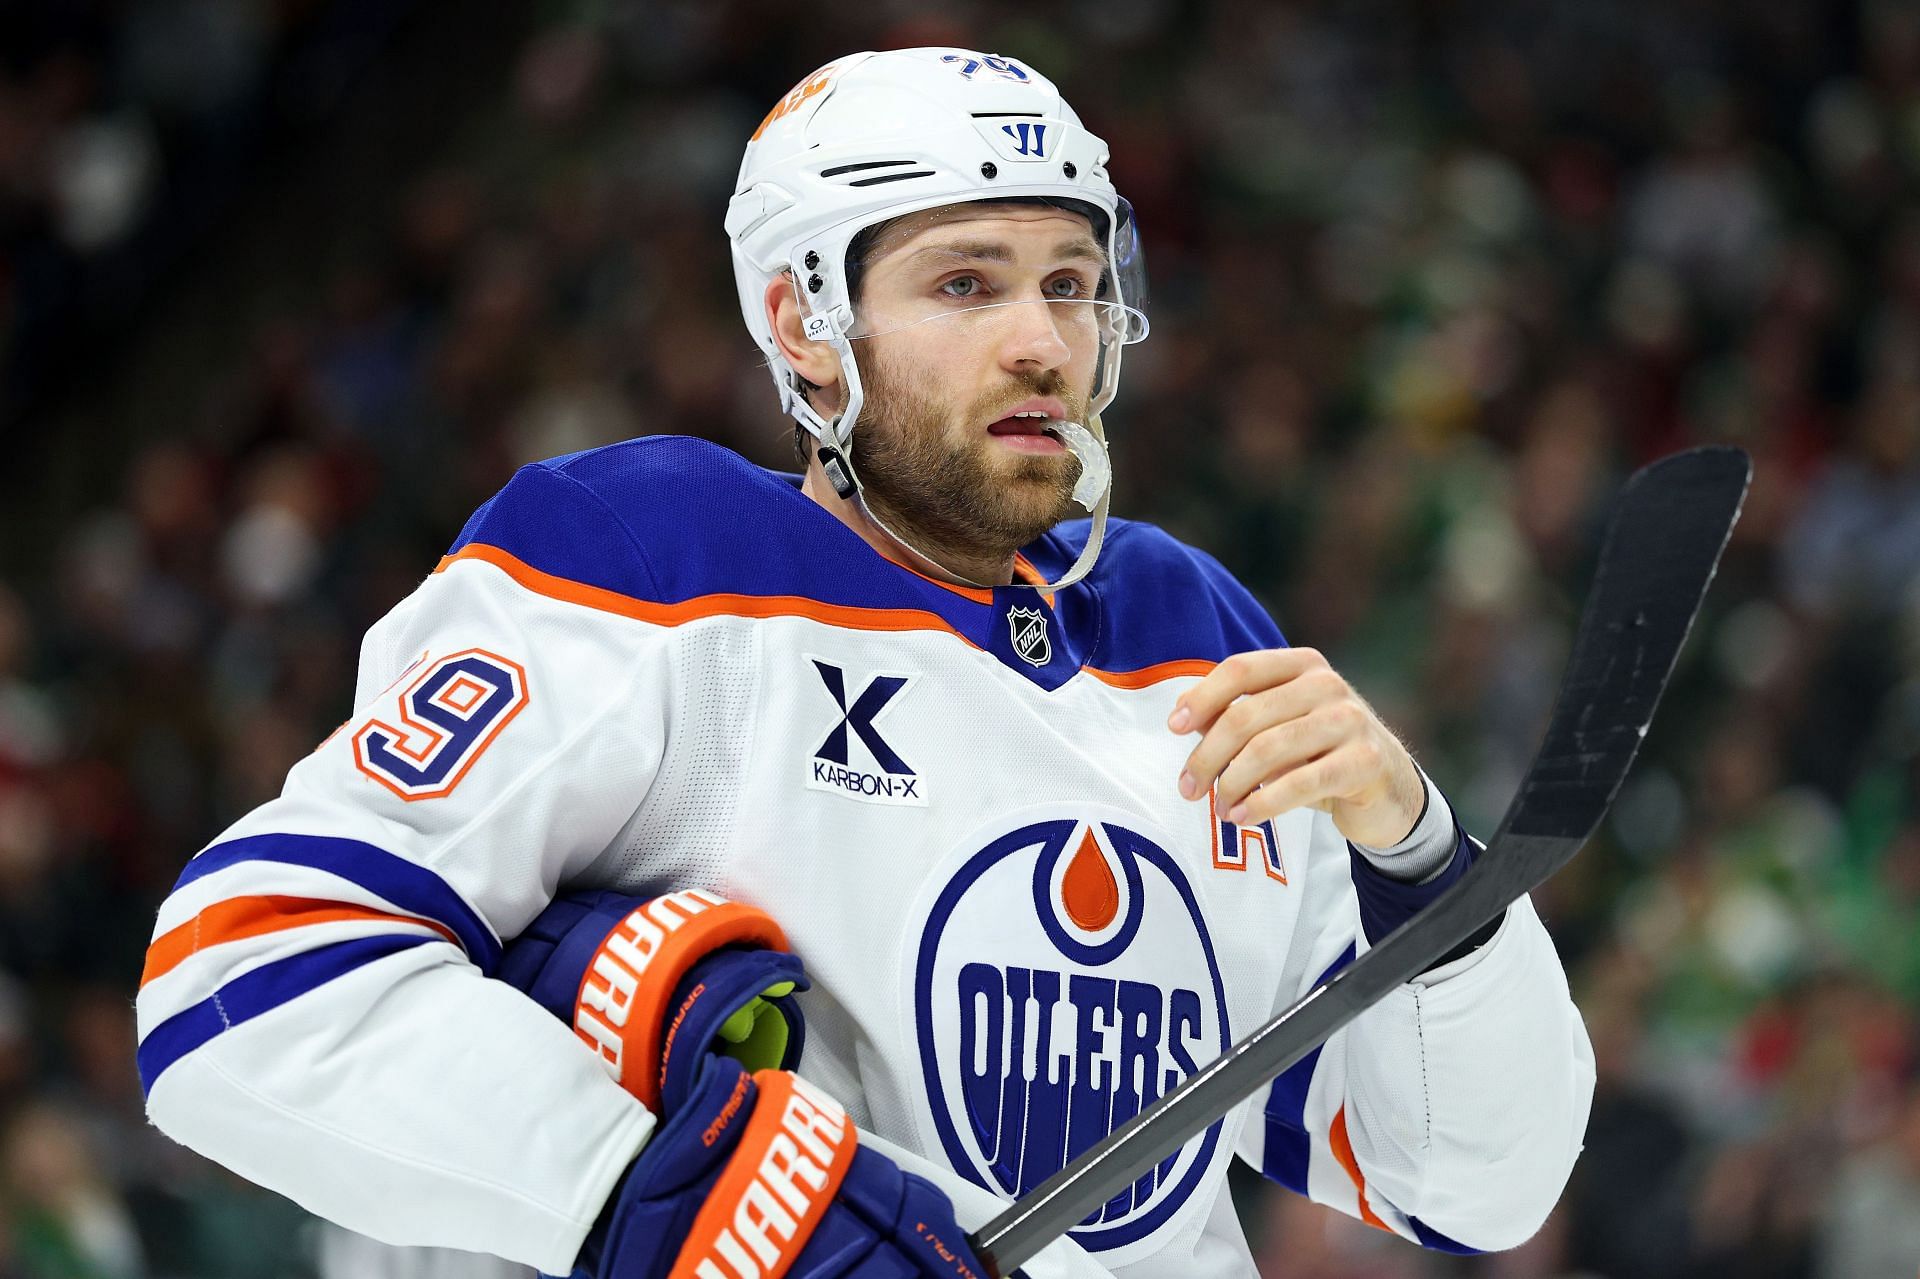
<point>655,986</point>
<point>1280,729</point>
<point>762,1176</point>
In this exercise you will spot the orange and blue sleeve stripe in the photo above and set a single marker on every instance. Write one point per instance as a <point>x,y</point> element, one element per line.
<point>423,902</point>
<point>1289,1146</point>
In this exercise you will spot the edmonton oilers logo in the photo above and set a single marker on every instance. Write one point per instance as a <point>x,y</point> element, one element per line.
<point>1063,981</point>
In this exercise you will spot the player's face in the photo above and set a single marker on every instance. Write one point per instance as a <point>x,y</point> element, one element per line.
<point>937,445</point>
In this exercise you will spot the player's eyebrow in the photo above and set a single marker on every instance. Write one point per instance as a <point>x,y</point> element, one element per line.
<point>1080,249</point>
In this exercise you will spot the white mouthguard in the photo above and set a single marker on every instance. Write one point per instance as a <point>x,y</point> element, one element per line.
<point>1096,472</point>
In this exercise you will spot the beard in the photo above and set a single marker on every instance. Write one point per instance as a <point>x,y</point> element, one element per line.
<point>954,492</point>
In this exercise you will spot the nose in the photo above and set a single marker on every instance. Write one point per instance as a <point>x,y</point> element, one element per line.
<point>1032,339</point>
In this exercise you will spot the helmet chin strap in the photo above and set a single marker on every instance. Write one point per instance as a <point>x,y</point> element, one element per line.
<point>1093,491</point>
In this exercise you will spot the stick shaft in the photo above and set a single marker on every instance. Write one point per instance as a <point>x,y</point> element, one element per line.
<point>1668,529</point>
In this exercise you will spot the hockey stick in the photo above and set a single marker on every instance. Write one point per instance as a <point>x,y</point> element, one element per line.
<point>1672,520</point>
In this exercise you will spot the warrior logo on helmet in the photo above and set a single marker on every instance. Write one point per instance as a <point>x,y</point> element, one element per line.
<point>1064,979</point>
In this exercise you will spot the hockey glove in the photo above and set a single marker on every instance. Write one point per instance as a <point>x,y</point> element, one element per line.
<point>762,1176</point>
<point>642,981</point>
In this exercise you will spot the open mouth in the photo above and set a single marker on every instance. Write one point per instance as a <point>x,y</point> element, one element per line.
<point>1028,427</point>
<point>1027,434</point>
<point>1021,424</point>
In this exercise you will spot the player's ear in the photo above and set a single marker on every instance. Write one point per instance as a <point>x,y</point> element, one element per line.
<point>817,362</point>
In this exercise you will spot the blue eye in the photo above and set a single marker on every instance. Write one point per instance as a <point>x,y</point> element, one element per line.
<point>972,284</point>
<point>1066,286</point>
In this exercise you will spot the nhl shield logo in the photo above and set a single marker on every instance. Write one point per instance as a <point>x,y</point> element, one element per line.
<point>1029,627</point>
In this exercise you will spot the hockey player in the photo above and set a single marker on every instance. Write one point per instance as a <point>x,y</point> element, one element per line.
<point>1044,808</point>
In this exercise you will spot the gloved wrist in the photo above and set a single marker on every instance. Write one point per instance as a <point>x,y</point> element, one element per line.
<point>765,1177</point>
<point>631,974</point>
<point>727,1004</point>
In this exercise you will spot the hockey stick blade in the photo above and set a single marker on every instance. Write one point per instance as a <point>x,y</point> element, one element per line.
<point>1668,528</point>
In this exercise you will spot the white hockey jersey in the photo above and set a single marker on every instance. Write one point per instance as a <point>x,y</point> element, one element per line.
<point>655,666</point>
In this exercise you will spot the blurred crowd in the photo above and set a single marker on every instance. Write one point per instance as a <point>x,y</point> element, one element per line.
<point>126,128</point>
<point>1428,280</point>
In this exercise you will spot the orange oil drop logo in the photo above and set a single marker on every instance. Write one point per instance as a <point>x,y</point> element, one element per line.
<point>797,97</point>
<point>1088,890</point>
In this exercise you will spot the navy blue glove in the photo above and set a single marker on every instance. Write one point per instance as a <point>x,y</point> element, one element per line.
<point>760,1177</point>
<point>638,978</point>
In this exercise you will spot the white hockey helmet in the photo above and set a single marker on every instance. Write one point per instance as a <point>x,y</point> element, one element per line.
<point>872,136</point>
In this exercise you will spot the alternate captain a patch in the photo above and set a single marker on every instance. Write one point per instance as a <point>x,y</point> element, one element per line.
<point>1063,979</point>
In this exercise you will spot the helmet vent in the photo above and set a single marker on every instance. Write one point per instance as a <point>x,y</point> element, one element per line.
<point>839,169</point>
<point>890,177</point>
<point>1003,115</point>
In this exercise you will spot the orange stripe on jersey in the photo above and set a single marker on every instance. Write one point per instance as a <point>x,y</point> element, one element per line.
<point>240,917</point>
<point>792,1157</point>
<point>762,606</point>
<point>978,594</point>
<point>700,606</point>
<point>1031,576</point>
<point>1147,676</point>
<point>1343,1152</point>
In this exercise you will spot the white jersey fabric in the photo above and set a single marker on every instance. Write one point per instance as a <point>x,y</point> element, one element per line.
<point>654,666</point>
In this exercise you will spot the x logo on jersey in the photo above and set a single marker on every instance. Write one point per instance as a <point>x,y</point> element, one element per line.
<point>859,717</point>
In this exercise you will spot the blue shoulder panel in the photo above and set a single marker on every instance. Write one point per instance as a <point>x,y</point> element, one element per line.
<point>559,526</point>
<point>1160,599</point>
<point>666,519</point>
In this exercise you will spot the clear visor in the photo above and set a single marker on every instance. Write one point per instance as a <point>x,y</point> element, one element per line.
<point>1087,292</point>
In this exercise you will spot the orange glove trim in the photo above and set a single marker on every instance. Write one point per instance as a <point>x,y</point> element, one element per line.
<point>792,1157</point>
<point>621,1008</point>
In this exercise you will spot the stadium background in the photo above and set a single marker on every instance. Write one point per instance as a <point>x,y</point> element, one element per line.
<point>286,289</point>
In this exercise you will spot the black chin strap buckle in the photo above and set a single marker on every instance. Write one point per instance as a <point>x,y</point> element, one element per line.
<point>838,471</point>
